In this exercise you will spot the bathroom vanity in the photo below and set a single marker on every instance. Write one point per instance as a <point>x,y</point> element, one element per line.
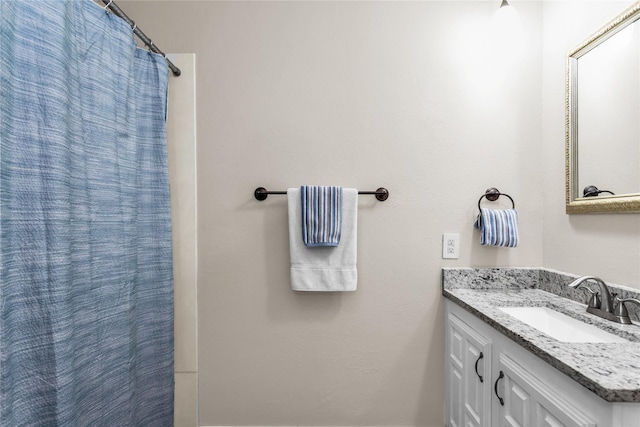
<point>500,371</point>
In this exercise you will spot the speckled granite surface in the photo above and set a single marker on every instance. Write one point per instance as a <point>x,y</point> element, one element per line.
<point>610,370</point>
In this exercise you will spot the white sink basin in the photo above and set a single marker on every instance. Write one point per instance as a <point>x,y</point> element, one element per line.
<point>561,327</point>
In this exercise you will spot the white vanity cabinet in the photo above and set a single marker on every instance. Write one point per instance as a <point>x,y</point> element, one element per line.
<point>468,374</point>
<point>517,387</point>
<point>527,400</point>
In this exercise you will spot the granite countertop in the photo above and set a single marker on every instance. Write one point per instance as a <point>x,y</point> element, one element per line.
<point>610,370</point>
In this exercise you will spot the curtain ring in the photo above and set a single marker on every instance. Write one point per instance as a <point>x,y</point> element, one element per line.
<point>134,27</point>
<point>106,7</point>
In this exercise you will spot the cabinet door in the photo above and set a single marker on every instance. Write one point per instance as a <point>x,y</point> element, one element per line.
<point>528,402</point>
<point>468,373</point>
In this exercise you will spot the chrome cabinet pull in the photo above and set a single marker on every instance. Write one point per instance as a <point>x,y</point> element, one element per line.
<point>480,356</point>
<point>495,388</point>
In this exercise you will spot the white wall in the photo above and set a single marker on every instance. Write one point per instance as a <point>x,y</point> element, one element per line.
<point>604,245</point>
<point>411,96</point>
<point>408,95</point>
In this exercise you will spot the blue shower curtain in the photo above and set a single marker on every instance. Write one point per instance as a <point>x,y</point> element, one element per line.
<point>86,281</point>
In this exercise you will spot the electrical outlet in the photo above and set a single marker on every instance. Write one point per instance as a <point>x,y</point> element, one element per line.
<point>450,245</point>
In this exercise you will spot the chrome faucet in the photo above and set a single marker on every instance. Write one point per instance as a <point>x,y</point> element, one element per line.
<point>605,304</point>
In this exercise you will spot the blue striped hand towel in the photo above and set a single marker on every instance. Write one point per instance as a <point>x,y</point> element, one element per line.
<point>498,227</point>
<point>321,215</point>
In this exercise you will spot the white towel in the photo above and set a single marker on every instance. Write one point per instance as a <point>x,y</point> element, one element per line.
<point>324,268</point>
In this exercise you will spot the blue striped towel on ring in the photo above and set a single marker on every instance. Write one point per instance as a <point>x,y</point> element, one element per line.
<point>498,227</point>
<point>321,215</point>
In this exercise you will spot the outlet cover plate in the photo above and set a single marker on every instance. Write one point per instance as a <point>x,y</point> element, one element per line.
<point>450,245</point>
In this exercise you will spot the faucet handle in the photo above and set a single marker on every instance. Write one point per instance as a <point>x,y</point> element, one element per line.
<point>620,309</point>
<point>594,301</point>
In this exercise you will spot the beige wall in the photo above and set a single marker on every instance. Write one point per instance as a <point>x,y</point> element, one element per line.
<point>414,96</point>
<point>603,245</point>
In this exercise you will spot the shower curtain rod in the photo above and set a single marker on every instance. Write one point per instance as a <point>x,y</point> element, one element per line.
<point>113,7</point>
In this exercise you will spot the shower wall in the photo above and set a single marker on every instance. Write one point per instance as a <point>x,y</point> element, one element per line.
<point>181,150</point>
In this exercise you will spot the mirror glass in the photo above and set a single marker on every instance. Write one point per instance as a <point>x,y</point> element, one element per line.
<point>603,119</point>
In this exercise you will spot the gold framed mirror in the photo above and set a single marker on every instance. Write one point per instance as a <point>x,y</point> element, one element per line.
<point>602,133</point>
